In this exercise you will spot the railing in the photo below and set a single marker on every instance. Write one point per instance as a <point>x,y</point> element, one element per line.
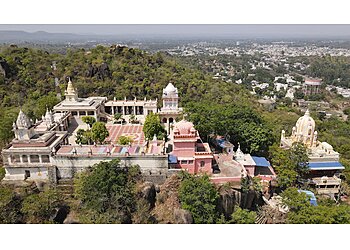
<point>327,181</point>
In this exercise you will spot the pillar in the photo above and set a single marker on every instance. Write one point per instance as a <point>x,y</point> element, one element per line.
<point>134,109</point>
<point>112,110</point>
<point>29,161</point>
<point>40,160</point>
<point>123,109</point>
<point>21,158</point>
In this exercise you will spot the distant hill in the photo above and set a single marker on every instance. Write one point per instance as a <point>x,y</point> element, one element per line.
<point>43,37</point>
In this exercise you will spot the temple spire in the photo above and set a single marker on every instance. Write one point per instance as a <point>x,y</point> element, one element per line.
<point>71,94</point>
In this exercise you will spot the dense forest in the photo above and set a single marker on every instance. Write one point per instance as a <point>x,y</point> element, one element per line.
<point>216,107</point>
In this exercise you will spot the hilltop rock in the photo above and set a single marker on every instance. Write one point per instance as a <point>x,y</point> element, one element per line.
<point>101,71</point>
<point>168,201</point>
<point>4,67</point>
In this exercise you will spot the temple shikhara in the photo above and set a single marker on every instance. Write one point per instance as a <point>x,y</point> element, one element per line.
<point>324,165</point>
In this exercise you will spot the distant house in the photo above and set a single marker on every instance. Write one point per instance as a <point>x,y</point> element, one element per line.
<point>312,86</point>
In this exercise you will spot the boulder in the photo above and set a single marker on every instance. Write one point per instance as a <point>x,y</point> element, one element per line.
<point>4,68</point>
<point>227,200</point>
<point>182,216</point>
<point>149,193</point>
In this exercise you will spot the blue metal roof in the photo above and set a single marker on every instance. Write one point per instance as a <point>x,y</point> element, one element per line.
<point>261,161</point>
<point>311,195</point>
<point>172,159</point>
<point>325,165</point>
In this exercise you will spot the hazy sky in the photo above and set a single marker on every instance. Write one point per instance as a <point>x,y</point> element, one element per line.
<point>255,30</point>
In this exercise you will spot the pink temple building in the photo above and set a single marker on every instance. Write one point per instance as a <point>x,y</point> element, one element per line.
<point>192,154</point>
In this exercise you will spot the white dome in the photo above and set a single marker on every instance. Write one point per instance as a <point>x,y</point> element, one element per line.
<point>305,125</point>
<point>170,89</point>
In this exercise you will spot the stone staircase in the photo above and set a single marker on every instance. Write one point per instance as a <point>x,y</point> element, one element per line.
<point>65,187</point>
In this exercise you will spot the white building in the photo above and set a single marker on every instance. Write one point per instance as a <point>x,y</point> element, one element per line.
<point>91,106</point>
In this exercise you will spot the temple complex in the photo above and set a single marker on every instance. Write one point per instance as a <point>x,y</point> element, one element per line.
<point>323,163</point>
<point>47,149</point>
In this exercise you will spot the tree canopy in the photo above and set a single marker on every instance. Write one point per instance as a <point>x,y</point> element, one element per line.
<point>199,196</point>
<point>152,126</point>
<point>107,192</point>
<point>99,132</point>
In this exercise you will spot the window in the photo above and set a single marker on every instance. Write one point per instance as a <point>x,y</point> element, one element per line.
<point>82,113</point>
<point>91,113</point>
<point>190,162</point>
<point>202,163</point>
<point>183,162</point>
<point>74,113</point>
<point>45,158</point>
<point>34,158</point>
<point>15,159</point>
<point>24,158</point>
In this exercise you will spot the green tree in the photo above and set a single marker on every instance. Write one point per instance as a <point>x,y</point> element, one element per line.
<point>99,132</point>
<point>132,119</point>
<point>289,164</point>
<point>7,117</point>
<point>39,208</point>
<point>89,120</point>
<point>199,196</point>
<point>10,204</point>
<point>124,140</point>
<point>117,116</point>
<point>153,127</point>
<point>44,103</point>
<point>83,137</point>
<point>2,173</point>
<point>107,192</point>
<point>302,212</point>
<point>300,159</point>
<point>243,216</point>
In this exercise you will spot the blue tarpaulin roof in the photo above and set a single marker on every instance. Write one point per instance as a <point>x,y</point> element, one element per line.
<point>325,165</point>
<point>261,161</point>
<point>223,143</point>
<point>172,159</point>
<point>311,195</point>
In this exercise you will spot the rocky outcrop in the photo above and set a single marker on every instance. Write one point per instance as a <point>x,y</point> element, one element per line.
<point>168,201</point>
<point>148,192</point>
<point>228,199</point>
<point>182,216</point>
<point>71,218</point>
<point>4,68</point>
<point>100,71</point>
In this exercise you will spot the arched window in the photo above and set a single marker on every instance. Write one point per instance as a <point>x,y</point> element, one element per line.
<point>165,120</point>
<point>202,163</point>
<point>171,120</point>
